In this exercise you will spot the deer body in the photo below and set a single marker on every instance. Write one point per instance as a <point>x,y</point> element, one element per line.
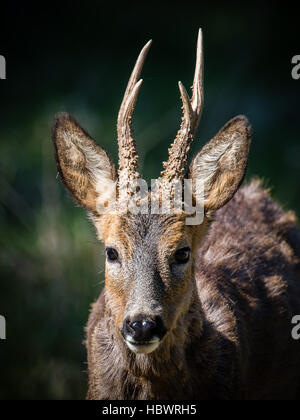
<point>198,311</point>
<point>235,340</point>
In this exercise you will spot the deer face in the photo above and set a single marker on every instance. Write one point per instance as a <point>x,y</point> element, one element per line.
<point>149,257</point>
<point>149,263</point>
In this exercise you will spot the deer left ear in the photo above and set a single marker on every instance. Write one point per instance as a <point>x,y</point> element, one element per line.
<point>85,168</point>
<point>221,164</point>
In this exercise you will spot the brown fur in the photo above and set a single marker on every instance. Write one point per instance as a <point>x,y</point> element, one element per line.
<point>233,340</point>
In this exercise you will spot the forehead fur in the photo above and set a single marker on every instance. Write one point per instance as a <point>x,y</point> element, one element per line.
<point>131,229</point>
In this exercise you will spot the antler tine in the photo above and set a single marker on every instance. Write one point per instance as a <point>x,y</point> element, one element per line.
<point>192,109</point>
<point>127,148</point>
<point>197,88</point>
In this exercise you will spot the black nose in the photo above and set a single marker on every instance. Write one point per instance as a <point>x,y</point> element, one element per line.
<point>143,328</point>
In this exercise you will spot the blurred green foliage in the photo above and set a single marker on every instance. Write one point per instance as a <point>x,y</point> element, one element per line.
<point>76,57</point>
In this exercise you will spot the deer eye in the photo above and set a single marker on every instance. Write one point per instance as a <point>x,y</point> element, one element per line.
<point>182,255</point>
<point>112,254</point>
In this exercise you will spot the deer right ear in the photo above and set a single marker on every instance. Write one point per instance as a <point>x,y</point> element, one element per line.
<point>222,163</point>
<point>85,168</point>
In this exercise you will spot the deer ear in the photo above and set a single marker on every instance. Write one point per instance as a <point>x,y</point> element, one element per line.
<point>85,168</point>
<point>222,163</point>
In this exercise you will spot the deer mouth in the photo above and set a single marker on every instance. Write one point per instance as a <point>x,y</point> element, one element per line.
<point>144,347</point>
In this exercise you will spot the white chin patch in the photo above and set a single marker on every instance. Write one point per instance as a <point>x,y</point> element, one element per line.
<point>145,348</point>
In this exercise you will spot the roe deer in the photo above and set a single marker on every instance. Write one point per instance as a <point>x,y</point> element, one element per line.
<point>188,311</point>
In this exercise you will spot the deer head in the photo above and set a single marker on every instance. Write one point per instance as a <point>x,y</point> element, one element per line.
<point>150,257</point>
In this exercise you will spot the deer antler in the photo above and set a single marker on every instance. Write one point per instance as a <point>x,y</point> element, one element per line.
<point>127,149</point>
<point>192,109</point>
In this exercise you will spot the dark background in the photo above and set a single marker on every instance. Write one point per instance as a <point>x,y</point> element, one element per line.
<point>77,57</point>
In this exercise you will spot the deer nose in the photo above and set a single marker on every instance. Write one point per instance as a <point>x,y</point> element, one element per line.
<point>141,329</point>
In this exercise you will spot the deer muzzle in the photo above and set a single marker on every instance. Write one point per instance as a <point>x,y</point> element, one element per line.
<point>143,334</point>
